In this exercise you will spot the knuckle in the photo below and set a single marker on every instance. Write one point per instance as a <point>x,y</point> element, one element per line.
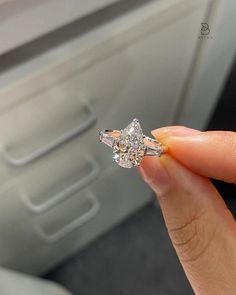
<point>227,136</point>
<point>192,238</point>
<point>229,139</point>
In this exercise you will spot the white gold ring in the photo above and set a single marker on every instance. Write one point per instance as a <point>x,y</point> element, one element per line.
<point>131,145</point>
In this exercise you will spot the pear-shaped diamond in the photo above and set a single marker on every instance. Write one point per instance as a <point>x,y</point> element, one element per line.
<point>129,146</point>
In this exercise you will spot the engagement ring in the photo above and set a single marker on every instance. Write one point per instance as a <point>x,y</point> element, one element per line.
<point>131,145</point>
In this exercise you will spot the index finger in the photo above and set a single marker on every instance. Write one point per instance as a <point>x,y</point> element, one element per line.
<point>211,154</point>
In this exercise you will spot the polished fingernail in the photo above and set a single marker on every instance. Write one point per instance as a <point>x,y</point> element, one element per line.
<point>163,132</point>
<point>155,175</point>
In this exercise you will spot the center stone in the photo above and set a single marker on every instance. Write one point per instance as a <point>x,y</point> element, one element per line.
<point>129,147</point>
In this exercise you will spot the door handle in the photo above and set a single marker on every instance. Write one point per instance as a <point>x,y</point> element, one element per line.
<point>73,225</point>
<point>65,193</point>
<point>54,143</point>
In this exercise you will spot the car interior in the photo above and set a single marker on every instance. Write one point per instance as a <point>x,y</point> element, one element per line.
<point>71,221</point>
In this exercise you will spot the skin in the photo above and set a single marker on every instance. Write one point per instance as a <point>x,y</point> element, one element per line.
<point>202,229</point>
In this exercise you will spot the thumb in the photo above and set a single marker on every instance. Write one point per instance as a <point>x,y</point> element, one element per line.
<point>200,226</point>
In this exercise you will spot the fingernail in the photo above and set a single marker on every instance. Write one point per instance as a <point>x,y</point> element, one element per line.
<point>155,175</point>
<point>163,132</point>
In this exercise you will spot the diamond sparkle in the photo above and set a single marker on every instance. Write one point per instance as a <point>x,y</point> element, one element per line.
<point>129,147</point>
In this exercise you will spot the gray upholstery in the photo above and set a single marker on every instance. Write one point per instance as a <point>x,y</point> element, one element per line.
<point>12,282</point>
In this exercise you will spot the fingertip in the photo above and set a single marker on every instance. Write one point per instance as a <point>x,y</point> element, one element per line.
<point>167,131</point>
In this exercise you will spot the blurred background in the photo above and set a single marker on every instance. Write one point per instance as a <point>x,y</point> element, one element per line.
<point>71,221</point>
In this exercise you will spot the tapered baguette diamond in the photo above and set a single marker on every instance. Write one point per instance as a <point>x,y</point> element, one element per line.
<point>107,139</point>
<point>129,147</point>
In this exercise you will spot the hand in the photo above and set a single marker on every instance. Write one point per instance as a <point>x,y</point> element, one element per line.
<point>202,229</point>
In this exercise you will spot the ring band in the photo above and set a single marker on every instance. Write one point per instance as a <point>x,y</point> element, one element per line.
<point>131,145</point>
